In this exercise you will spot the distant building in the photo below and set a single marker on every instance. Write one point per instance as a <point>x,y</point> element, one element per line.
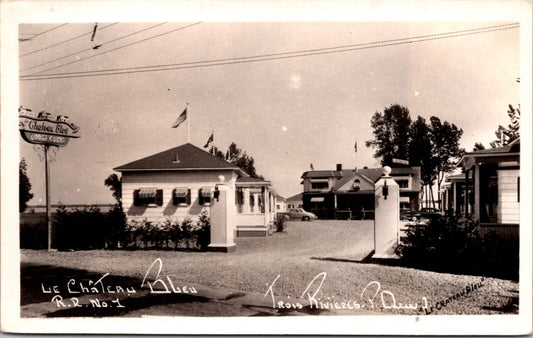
<point>294,201</point>
<point>178,183</point>
<point>281,205</point>
<point>452,195</point>
<point>349,193</point>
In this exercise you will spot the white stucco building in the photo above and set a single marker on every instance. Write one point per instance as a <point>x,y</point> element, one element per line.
<point>178,183</point>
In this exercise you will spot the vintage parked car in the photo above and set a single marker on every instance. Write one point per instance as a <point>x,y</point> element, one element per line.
<point>424,215</point>
<point>299,213</point>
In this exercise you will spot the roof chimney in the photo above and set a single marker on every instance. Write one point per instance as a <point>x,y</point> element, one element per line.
<point>339,167</point>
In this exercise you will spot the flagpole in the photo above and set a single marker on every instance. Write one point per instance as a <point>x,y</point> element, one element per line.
<point>188,124</point>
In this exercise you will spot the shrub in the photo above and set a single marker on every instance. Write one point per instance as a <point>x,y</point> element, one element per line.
<point>175,233</point>
<point>34,236</point>
<point>280,223</point>
<point>187,233</point>
<point>203,232</point>
<point>116,227</point>
<point>79,229</point>
<point>188,229</point>
<point>454,245</point>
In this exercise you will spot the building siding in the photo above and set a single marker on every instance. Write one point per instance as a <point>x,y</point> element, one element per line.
<point>508,205</point>
<point>168,181</point>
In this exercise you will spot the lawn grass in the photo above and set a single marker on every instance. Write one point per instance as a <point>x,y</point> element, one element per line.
<point>298,255</point>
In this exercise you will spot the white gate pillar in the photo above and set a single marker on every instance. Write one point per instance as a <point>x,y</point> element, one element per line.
<point>387,216</point>
<point>223,217</point>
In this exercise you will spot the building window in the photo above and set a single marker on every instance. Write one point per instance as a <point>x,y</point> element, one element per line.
<point>239,199</point>
<point>319,185</point>
<point>148,196</point>
<point>181,196</point>
<point>204,196</point>
<point>402,183</point>
<point>261,203</point>
<point>252,201</point>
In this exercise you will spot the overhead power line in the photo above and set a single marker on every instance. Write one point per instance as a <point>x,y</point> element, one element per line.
<point>272,56</point>
<point>65,41</point>
<point>87,49</point>
<point>49,30</point>
<point>114,49</point>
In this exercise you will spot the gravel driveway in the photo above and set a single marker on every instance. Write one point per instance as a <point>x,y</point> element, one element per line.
<point>319,250</point>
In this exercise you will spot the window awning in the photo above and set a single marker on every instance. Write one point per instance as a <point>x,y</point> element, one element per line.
<point>147,192</point>
<point>405,199</point>
<point>317,199</point>
<point>181,192</point>
<point>205,191</point>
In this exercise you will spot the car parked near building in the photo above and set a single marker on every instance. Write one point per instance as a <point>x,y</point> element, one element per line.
<point>424,215</point>
<point>299,213</point>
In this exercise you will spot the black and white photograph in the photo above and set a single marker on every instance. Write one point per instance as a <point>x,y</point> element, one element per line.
<point>260,168</point>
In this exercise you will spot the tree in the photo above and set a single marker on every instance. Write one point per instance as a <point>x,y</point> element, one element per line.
<point>24,186</point>
<point>115,185</point>
<point>421,152</point>
<point>391,134</point>
<point>504,135</point>
<point>238,157</point>
<point>434,146</point>
<point>218,153</point>
<point>445,139</point>
<point>478,146</point>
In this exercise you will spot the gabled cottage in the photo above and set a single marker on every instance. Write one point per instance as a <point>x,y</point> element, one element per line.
<point>349,193</point>
<point>178,183</point>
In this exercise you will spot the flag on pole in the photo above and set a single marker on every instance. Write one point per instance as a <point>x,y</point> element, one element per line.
<point>355,146</point>
<point>311,166</point>
<point>209,141</point>
<point>180,119</point>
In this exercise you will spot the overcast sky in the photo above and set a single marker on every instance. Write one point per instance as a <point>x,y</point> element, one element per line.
<point>286,113</point>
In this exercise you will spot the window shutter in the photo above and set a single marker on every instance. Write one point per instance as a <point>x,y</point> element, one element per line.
<point>200,197</point>
<point>136,201</point>
<point>159,197</point>
<point>174,197</point>
<point>188,196</point>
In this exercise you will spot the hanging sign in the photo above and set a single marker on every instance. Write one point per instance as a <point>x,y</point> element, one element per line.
<point>43,130</point>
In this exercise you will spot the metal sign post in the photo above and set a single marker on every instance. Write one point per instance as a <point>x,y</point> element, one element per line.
<point>47,187</point>
<point>44,131</point>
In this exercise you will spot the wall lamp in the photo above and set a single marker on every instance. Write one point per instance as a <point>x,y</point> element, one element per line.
<point>216,193</point>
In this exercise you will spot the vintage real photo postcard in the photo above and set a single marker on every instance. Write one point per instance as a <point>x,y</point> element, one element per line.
<point>266,168</point>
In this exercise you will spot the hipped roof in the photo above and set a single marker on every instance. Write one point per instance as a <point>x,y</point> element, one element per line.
<point>184,157</point>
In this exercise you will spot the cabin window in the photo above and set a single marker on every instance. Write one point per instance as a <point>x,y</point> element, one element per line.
<point>205,196</point>
<point>181,196</point>
<point>319,185</point>
<point>148,196</point>
<point>239,199</point>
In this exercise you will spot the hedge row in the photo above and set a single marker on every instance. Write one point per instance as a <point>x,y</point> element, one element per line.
<point>89,228</point>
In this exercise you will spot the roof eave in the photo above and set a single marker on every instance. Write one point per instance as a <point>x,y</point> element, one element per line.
<point>238,170</point>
